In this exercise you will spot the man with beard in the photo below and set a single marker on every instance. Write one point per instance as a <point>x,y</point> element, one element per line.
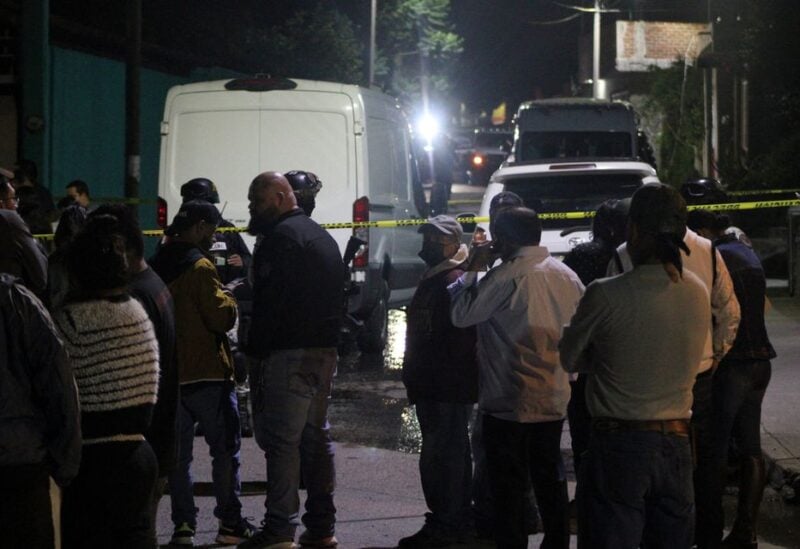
<point>298,281</point>
<point>204,312</point>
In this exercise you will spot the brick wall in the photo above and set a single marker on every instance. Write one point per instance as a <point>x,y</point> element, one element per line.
<point>642,44</point>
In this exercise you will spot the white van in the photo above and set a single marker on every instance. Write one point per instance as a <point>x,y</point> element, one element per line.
<point>356,140</point>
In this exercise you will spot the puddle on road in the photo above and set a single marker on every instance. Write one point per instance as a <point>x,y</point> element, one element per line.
<point>368,404</point>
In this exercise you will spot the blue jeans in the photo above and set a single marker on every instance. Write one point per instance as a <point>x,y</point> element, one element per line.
<point>706,473</point>
<point>635,488</point>
<point>290,392</point>
<point>213,405</point>
<point>445,463</point>
<point>513,452</point>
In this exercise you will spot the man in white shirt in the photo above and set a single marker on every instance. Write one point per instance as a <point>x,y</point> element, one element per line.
<point>519,308</point>
<point>639,338</point>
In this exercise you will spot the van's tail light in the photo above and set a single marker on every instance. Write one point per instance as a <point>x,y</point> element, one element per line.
<point>360,214</point>
<point>161,213</point>
<point>477,160</point>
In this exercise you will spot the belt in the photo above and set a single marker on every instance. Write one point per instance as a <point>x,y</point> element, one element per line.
<point>678,427</point>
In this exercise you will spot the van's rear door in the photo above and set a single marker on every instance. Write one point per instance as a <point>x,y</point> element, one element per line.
<point>313,131</point>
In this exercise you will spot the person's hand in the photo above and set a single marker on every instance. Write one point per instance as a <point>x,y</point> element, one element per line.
<point>479,236</point>
<point>231,286</point>
<point>480,256</point>
<point>235,260</point>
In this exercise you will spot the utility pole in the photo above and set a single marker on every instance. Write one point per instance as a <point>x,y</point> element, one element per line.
<point>133,62</point>
<point>596,52</point>
<point>373,17</point>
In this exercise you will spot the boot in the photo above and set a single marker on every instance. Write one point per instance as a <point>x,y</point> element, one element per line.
<point>752,478</point>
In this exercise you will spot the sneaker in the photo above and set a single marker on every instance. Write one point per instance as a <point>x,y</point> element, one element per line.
<point>428,537</point>
<point>266,539</point>
<point>231,535</point>
<point>183,535</point>
<point>307,539</point>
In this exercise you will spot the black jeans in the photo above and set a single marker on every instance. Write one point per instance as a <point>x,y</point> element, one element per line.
<point>26,518</point>
<point>580,420</point>
<point>739,387</point>
<point>514,450</point>
<point>109,502</point>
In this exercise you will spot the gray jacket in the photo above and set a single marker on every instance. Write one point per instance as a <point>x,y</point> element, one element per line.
<point>21,255</point>
<point>39,414</point>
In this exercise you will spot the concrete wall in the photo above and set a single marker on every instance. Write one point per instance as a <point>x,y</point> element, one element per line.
<point>88,126</point>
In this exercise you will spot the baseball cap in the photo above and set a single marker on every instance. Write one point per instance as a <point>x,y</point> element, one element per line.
<point>191,213</point>
<point>443,224</point>
<point>200,188</point>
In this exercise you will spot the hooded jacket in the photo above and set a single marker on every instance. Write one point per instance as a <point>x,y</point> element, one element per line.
<point>203,312</point>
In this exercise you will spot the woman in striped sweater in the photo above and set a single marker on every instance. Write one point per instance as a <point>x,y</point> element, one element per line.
<point>114,355</point>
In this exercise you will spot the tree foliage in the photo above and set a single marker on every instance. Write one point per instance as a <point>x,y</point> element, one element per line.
<point>769,48</point>
<point>318,44</point>
<point>417,46</point>
<point>676,93</point>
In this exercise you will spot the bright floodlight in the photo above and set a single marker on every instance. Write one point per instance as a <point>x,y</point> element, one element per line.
<point>428,127</point>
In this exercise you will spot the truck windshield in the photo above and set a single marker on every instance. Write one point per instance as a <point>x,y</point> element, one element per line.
<point>572,193</point>
<point>557,145</point>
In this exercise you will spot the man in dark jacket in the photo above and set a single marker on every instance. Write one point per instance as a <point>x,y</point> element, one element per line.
<point>229,252</point>
<point>40,433</point>
<point>21,256</point>
<point>440,373</point>
<point>204,312</point>
<point>298,307</point>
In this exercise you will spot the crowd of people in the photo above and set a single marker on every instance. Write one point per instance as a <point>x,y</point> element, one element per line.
<point>650,340</point>
<point>111,362</point>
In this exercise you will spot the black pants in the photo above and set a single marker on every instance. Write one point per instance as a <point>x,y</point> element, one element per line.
<point>707,522</point>
<point>109,502</point>
<point>514,450</point>
<point>26,518</point>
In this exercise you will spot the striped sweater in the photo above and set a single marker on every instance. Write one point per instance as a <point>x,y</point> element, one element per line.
<point>114,356</point>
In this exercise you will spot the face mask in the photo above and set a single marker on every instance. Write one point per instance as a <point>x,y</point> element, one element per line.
<point>431,255</point>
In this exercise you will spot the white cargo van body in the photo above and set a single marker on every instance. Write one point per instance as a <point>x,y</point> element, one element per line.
<point>356,140</point>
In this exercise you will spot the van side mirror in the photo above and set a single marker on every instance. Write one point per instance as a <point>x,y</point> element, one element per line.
<point>467,222</point>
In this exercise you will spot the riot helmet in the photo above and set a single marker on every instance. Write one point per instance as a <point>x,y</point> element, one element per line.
<point>200,188</point>
<point>306,185</point>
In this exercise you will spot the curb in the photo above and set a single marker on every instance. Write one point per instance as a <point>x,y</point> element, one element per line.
<point>783,469</point>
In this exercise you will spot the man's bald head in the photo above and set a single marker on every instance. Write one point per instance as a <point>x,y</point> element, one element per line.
<point>270,197</point>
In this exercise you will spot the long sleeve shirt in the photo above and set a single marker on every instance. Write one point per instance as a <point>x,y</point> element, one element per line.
<point>725,310</point>
<point>640,336</point>
<point>519,308</point>
<point>20,254</point>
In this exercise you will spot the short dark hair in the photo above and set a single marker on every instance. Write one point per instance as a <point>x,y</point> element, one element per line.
<point>610,222</point>
<point>71,221</point>
<point>127,226</point>
<point>80,186</point>
<point>504,199</point>
<point>518,225</point>
<point>96,258</point>
<point>26,169</point>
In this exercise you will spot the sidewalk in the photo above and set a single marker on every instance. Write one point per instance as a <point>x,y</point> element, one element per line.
<point>780,419</point>
<point>379,498</point>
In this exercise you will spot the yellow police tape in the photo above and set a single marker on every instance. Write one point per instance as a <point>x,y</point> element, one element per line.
<point>392,223</point>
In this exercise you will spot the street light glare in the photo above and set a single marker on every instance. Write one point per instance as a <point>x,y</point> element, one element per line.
<point>428,127</point>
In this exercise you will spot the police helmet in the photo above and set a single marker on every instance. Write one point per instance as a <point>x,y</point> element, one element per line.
<point>304,184</point>
<point>200,188</point>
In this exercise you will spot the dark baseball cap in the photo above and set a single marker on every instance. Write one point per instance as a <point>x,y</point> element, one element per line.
<point>443,224</point>
<point>191,213</point>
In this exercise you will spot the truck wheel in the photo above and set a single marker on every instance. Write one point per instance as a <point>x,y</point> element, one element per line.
<point>372,337</point>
